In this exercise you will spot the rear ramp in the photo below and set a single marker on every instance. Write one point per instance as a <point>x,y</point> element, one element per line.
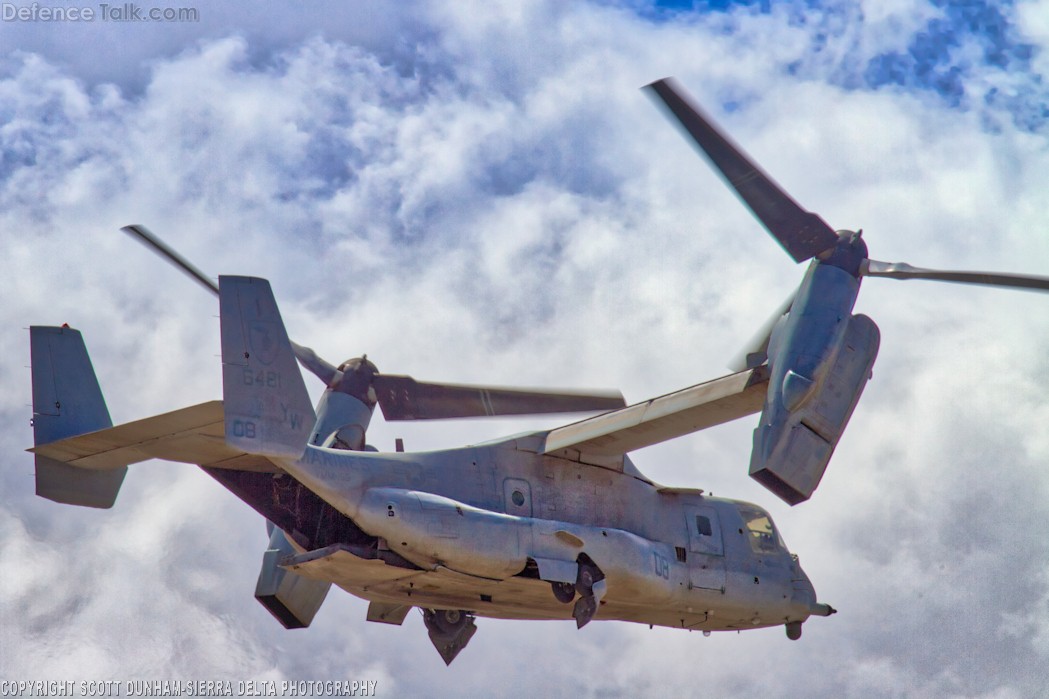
<point>292,599</point>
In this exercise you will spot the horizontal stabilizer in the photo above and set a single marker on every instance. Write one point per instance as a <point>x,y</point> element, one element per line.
<point>659,419</point>
<point>190,435</point>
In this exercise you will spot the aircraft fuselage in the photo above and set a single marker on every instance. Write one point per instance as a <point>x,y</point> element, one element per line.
<point>488,529</point>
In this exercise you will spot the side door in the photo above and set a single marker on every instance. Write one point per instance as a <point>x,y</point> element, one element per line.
<point>706,548</point>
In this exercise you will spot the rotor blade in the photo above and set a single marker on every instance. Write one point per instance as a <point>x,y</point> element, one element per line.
<point>323,370</point>
<point>755,351</point>
<point>404,398</point>
<point>143,235</point>
<point>801,233</point>
<point>902,270</point>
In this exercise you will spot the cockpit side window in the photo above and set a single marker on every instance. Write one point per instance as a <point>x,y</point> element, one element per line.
<point>759,530</point>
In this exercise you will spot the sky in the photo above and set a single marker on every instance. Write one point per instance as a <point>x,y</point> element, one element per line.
<point>480,192</point>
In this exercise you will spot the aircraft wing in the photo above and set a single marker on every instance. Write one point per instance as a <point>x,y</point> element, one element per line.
<point>194,435</point>
<point>659,419</point>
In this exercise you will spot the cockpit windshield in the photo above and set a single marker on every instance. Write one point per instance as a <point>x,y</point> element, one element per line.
<point>760,531</point>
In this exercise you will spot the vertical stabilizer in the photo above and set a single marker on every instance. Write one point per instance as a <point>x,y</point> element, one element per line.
<point>67,401</point>
<point>267,408</point>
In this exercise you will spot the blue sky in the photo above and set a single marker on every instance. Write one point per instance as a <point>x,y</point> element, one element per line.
<point>480,192</point>
<point>941,55</point>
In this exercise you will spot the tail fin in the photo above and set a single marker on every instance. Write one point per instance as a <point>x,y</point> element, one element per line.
<point>267,408</point>
<point>67,401</point>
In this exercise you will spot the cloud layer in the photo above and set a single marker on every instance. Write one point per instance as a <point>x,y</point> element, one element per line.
<point>481,193</point>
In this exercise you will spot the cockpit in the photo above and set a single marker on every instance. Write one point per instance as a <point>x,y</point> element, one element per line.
<point>760,531</point>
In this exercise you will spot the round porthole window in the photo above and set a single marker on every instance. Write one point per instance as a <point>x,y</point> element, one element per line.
<point>517,497</point>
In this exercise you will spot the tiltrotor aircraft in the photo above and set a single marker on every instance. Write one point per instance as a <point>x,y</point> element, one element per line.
<point>557,524</point>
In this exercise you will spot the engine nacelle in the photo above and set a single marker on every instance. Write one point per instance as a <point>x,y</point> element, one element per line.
<point>820,358</point>
<point>804,419</point>
<point>342,420</point>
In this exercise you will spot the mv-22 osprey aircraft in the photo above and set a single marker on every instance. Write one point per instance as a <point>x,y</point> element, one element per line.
<point>557,524</point>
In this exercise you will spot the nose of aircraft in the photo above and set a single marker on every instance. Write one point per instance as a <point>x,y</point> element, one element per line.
<point>803,601</point>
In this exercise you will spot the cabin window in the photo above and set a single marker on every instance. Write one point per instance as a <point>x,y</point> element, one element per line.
<point>759,530</point>
<point>517,497</point>
<point>704,530</point>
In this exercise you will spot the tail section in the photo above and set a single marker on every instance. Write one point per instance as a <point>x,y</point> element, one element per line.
<point>267,408</point>
<point>67,401</point>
